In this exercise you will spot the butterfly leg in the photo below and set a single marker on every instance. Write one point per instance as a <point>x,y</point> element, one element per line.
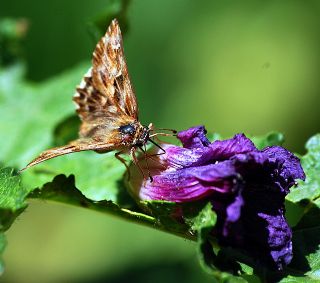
<point>144,150</point>
<point>123,161</point>
<point>136,162</point>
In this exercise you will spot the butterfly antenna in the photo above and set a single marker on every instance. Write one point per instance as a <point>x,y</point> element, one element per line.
<point>164,129</point>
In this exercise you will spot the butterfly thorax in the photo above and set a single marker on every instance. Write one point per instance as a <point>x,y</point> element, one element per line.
<point>134,134</point>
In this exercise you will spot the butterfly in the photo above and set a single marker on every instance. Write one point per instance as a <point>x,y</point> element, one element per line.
<point>107,106</point>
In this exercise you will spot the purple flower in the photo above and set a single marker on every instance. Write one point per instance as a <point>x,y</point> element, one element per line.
<point>246,187</point>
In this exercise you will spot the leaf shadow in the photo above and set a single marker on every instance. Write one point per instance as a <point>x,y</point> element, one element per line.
<point>123,197</point>
<point>305,237</point>
<point>66,130</point>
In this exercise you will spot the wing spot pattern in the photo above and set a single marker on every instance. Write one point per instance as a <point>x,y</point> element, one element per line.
<point>106,87</point>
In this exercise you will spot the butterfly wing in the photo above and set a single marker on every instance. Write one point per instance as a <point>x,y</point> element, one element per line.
<point>105,100</point>
<point>105,97</point>
<point>75,146</point>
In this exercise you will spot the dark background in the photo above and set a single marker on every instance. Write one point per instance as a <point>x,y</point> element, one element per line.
<point>234,66</point>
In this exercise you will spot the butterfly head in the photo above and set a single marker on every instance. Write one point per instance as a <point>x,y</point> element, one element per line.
<point>134,134</point>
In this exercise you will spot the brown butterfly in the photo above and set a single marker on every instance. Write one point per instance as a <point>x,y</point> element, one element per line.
<point>107,106</point>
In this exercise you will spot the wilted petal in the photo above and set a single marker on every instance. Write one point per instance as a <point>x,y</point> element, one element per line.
<point>194,137</point>
<point>289,165</point>
<point>233,211</point>
<point>279,238</point>
<point>225,149</point>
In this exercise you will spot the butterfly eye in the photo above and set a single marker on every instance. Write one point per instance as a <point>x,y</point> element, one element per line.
<point>127,129</point>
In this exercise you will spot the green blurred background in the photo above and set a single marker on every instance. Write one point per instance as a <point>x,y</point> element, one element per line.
<point>234,66</point>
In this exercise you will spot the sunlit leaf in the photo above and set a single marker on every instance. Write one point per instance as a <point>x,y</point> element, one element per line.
<point>305,265</point>
<point>63,189</point>
<point>12,203</point>
<point>310,189</point>
<point>268,140</point>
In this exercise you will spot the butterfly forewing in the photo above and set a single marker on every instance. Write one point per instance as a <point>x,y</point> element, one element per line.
<point>105,97</point>
<point>106,88</point>
<point>110,71</point>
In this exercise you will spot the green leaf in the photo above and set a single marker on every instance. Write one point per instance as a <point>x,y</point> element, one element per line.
<point>310,189</point>
<point>12,203</point>
<point>301,197</point>
<point>12,197</point>
<point>203,221</point>
<point>98,176</point>
<point>63,189</point>
<point>305,266</point>
<point>31,111</point>
<point>170,217</point>
<point>270,139</point>
<point>304,199</point>
<point>193,220</point>
<point>203,224</point>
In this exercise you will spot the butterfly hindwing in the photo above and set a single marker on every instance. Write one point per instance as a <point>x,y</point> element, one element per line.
<point>75,146</point>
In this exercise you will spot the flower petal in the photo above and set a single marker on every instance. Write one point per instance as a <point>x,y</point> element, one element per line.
<point>181,157</point>
<point>267,233</point>
<point>194,137</point>
<point>279,239</point>
<point>225,149</point>
<point>190,184</point>
<point>290,164</point>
